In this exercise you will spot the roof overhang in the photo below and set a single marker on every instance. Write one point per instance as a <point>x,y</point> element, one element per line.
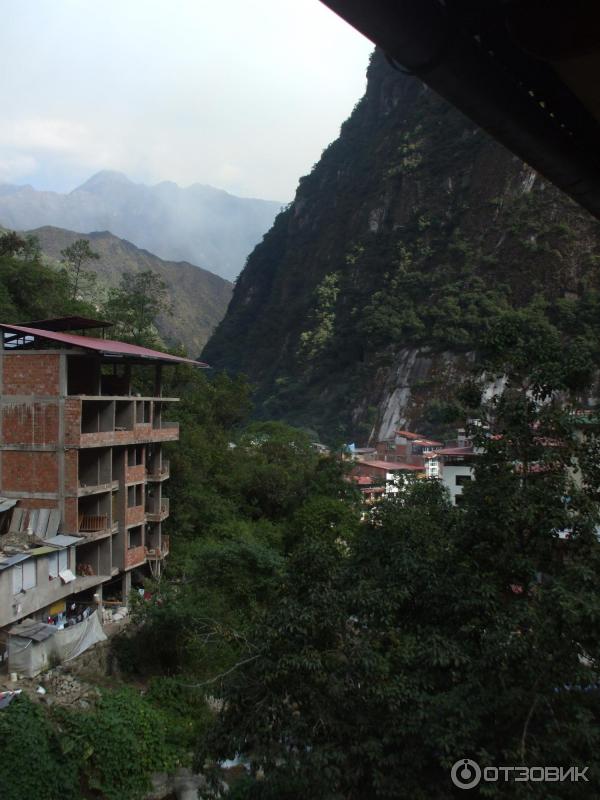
<point>527,71</point>
<point>24,336</point>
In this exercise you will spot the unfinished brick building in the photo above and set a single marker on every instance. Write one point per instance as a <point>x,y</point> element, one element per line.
<point>82,471</point>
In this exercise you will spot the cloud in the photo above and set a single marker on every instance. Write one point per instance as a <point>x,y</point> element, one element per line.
<point>41,133</point>
<point>243,96</point>
<point>12,168</point>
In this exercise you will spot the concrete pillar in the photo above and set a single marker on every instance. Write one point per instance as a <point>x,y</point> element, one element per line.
<point>98,597</point>
<point>126,585</point>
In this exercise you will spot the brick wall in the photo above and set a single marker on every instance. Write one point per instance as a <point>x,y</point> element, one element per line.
<point>70,522</point>
<point>30,423</point>
<point>72,420</point>
<point>135,556</point>
<point>29,472</point>
<point>135,474</point>
<point>135,515</point>
<point>71,471</point>
<point>31,374</point>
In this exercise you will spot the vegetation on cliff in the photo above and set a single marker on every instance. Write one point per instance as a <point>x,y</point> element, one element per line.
<point>414,230</point>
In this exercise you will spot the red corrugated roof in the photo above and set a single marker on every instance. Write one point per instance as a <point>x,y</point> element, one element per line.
<point>362,480</point>
<point>389,465</point>
<point>454,451</point>
<point>106,346</point>
<point>409,435</point>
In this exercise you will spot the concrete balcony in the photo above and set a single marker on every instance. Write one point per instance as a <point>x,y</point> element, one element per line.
<point>107,421</point>
<point>168,432</point>
<point>84,491</point>
<point>141,434</point>
<point>158,553</point>
<point>158,511</point>
<point>161,473</point>
<point>94,526</point>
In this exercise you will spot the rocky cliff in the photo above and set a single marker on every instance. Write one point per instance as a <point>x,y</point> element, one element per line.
<point>416,255</point>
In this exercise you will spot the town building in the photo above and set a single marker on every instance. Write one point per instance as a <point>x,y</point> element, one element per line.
<point>406,447</point>
<point>454,466</point>
<point>370,488</point>
<point>390,475</point>
<point>83,422</point>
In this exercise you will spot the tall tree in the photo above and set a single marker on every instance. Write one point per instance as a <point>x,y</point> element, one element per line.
<point>75,257</point>
<point>11,243</point>
<point>135,305</point>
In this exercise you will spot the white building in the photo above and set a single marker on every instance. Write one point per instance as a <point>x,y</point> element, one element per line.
<point>454,466</point>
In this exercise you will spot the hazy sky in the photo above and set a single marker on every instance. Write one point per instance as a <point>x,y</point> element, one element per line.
<point>240,94</point>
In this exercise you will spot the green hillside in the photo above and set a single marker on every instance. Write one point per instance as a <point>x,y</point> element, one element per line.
<point>198,297</point>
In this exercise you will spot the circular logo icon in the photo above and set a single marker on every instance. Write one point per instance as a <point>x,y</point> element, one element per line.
<point>465,773</point>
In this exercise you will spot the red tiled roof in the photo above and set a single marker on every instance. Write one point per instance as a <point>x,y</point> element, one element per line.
<point>390,466</point>
<point>106,346</point>
<point>409,435</point>
<point>428,442</point>
<point>453,451</point>
<point>362,480</point>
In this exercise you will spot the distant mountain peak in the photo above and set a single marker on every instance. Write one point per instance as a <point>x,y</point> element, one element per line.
<point>199,224</point>
<point>103,178</point>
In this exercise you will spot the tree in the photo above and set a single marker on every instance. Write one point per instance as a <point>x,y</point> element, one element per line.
<point>432,633</point>
<point>24,725</point>
<point>74,258</point>
<point>109,751</point>
<point>11,243</point>
<point>135,305</point>
<point>31,289</point>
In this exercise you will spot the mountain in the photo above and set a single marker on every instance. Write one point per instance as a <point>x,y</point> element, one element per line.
<point>199,224</point>
<point>417,254</point>
<point>198,297</point>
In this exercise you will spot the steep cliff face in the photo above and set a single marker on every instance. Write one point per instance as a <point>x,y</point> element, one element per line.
<point>415,253</point>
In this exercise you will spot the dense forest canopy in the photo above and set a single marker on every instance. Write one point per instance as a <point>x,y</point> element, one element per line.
<point>340,654</point>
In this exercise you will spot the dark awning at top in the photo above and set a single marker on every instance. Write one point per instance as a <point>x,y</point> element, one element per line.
<point>527,71</point>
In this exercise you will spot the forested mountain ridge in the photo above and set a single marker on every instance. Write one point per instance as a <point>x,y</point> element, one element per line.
<point>417,254</point>
<point>200,224</point>
<point>198,298</point>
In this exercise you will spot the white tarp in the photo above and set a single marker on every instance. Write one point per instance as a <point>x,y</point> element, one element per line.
<point>29,657</point>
